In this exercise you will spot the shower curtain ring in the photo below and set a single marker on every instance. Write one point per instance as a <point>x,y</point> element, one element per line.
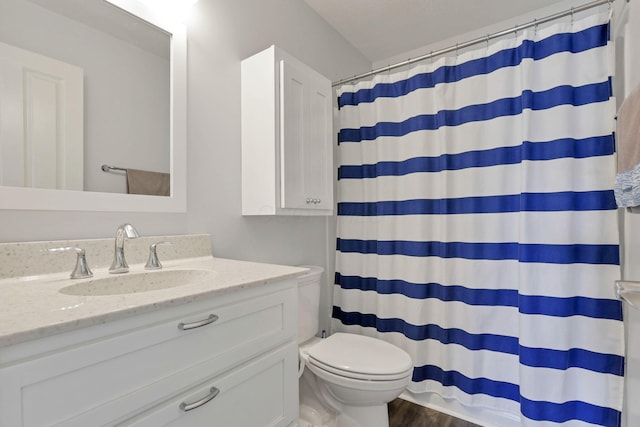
<point>535,27</point>
<point>572,11</point>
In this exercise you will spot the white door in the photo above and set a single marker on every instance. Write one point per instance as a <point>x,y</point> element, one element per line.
<point>41,121</point>
<point>306,152</point>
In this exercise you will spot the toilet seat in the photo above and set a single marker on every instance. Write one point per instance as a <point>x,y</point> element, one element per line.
<point>359,376</point>
<point>360,357</point>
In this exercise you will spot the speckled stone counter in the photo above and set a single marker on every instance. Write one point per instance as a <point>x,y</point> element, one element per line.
<point>32,259</point>
<point>32,306</point>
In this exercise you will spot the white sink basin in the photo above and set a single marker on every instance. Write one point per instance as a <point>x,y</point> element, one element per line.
<point>130,283</point>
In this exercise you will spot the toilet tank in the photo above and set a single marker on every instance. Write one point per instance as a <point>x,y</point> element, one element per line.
<point>309,302</point>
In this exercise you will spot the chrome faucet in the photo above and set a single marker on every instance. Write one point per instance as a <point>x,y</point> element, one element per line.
<point>119,264</point>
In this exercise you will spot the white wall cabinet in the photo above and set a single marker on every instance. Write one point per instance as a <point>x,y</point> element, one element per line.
<point>147,371</point>
<point>287,153</point>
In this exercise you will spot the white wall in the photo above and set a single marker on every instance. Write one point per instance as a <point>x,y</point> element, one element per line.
<point>126,90</point>
<point>221,34</point>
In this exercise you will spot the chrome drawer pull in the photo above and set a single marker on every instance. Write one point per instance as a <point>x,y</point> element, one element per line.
<point>189,406</point>
<point>184,326</point>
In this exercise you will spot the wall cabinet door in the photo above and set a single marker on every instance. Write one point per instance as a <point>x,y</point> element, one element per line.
<point>305,139</point>
<point>287,138</point>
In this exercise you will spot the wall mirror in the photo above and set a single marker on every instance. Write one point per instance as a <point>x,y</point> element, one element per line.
<point>87,83</point>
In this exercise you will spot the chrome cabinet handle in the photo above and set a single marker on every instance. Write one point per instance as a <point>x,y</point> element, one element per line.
<point>213,392</point>
<point>185,326</point>
<point>313,201</point>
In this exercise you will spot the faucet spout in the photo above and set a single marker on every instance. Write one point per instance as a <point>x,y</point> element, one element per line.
<point>119,264</point>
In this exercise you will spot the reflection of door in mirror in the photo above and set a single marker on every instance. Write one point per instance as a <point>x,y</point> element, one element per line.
<point>41,121</point>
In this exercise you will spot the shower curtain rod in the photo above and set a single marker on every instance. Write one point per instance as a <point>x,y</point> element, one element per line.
<point>475,41</point>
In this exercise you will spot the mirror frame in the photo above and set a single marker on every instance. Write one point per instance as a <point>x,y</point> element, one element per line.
<point>20,198</point>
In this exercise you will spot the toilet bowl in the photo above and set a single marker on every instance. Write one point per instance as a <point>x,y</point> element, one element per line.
<point>346,380</point>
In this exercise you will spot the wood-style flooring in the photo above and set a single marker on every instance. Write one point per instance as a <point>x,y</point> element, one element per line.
<point>406,414</point>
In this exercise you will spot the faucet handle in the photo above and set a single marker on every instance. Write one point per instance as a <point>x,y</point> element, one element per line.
<point>81,270</point>
<point>153,263</point>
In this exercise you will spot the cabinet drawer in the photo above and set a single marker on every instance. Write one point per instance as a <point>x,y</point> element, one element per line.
<point>254,395</point>
<point>110,379</point>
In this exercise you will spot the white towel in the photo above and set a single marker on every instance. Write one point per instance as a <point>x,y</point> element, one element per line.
<point>627,187</point>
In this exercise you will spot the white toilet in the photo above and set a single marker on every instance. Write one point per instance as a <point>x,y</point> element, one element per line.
<point>346,380</point>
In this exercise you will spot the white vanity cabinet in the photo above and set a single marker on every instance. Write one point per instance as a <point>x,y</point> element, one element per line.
<point>287,126</point>
<point>162,368</point>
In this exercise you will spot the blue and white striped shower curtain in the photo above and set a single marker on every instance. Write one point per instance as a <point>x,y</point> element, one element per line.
<point>477,227</point>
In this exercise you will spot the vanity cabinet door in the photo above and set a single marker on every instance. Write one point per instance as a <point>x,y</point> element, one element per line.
<point>260,393</point>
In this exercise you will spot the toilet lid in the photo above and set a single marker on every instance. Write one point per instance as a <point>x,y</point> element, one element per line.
<point>357,355</point>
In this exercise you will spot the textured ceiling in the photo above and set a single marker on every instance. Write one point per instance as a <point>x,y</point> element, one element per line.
<point>381,29</point>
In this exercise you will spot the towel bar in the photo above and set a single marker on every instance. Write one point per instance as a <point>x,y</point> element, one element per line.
<point>629,291</point>
<point>107,168</point>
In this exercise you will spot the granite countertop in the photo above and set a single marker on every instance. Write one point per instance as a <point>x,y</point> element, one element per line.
<point>32,307</point>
